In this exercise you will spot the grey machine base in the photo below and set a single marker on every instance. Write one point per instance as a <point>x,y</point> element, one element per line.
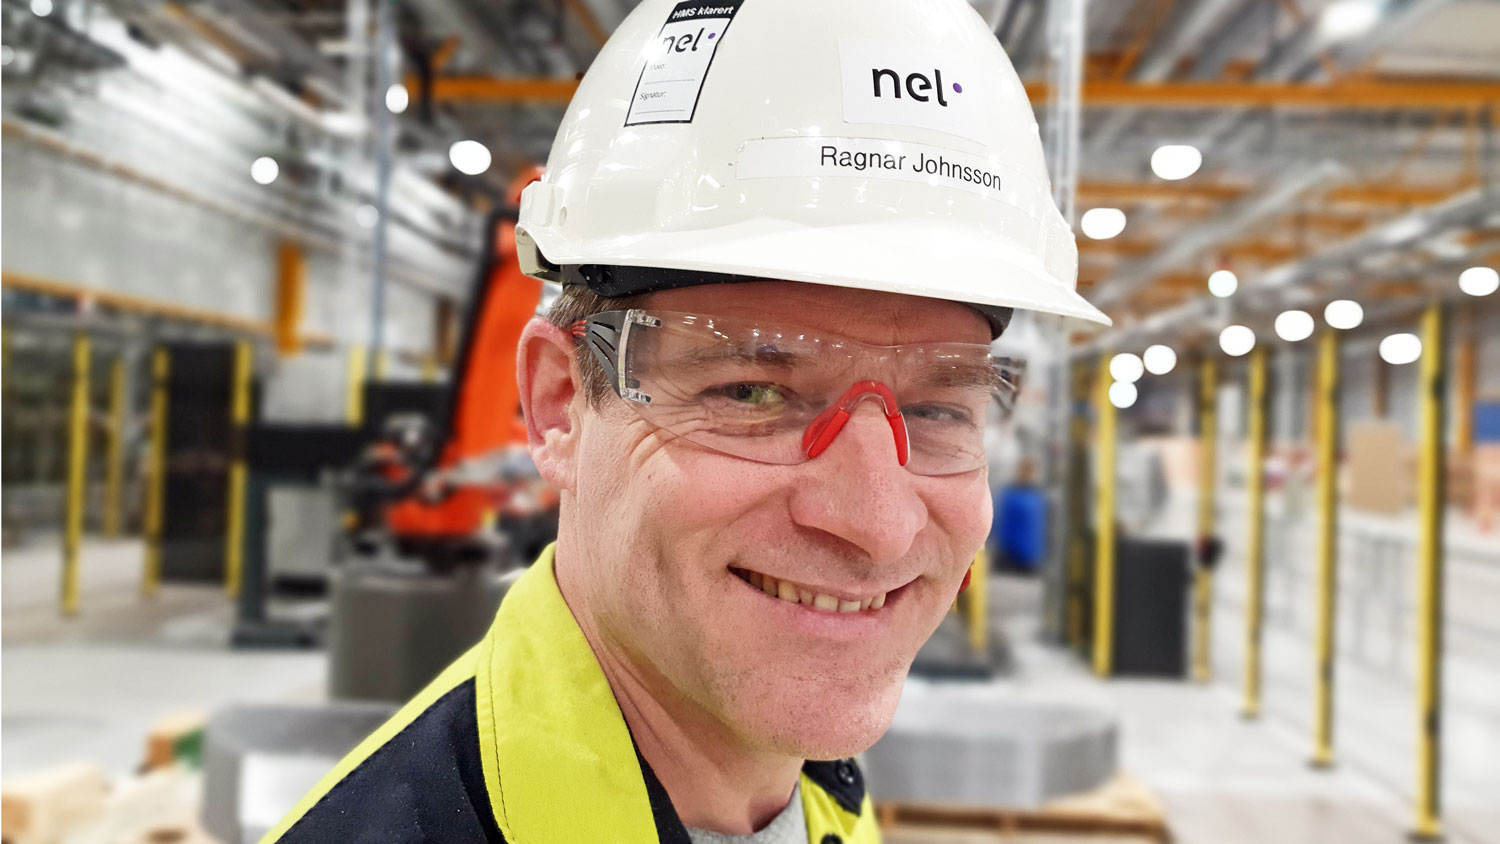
<point>966,744</point>
<point>393,628</point>
<point>259,760</point>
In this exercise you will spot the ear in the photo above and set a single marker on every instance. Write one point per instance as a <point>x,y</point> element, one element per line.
<point>550,383</point>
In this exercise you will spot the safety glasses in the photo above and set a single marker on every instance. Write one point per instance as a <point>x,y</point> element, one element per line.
<point>778,393</point>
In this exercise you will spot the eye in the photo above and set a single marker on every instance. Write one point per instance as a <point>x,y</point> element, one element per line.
<point>937,413</point>
<point>760,395</point>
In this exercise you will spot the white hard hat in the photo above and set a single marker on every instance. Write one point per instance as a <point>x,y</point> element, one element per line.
<point>874,144</point>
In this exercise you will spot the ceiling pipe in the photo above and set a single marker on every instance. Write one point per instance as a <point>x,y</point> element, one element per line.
<point>1198,240</point>
<point>1182,33</point>
<point>1297,58</point>
<point>1292,280</point>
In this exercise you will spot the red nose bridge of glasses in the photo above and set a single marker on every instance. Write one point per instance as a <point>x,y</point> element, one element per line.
<point>824,429</point>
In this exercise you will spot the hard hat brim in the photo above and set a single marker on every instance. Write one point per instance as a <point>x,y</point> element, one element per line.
<point>936,261</point>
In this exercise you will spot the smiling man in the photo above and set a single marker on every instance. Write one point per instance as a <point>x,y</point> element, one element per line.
<point>762,395</point>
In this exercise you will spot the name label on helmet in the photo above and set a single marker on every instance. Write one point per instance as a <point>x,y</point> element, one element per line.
<point>677,62</point>
<point>869,158</point>
<point>892,82</point>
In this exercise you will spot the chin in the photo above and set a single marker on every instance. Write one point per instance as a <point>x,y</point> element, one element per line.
<point>821,725</point>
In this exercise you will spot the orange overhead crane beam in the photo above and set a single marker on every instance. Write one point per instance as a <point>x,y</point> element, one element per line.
<point>1343,94</point>
<point>1101,93</point>
<point>1265,251</point>
<point>1370,194</point>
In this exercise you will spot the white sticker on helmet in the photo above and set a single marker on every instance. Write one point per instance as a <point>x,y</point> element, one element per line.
<point>892,82</point>
<point>677,62</point>
<point>868,158</point>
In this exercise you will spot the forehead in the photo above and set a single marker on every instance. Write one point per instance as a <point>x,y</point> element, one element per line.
<point>875,318</point>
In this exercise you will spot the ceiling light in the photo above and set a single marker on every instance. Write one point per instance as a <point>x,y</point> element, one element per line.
<point>1122,394</point>
<point>396,98</point>
<point>41,8</point>
<point>1223,283</point>
<point>1294,326</point>
<point>1126,367</point>
<point>469,157</point>
<point>1176,161</point>
<point>7,55</point>
<point>264,170</point>
<point>1343,314</point>
<point>1160,359</point>
<point>1479,281</point>
<point>1103,223</point>
<point>367,216</point>
<point>1236,340</point>
<point>1399,349</point>
<point>1344,19</point>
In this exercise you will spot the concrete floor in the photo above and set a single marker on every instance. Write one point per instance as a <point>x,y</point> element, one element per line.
<point>1376,722</point>
<point>88,688</point>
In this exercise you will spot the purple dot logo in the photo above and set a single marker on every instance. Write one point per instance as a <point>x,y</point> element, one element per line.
<point>711,35</point>
<point>957,88</point>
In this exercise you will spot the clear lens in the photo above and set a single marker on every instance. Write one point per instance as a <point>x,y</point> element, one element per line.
<point>752,389</point>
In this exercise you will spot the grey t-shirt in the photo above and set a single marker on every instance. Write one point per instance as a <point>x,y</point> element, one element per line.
<point>789,827</point>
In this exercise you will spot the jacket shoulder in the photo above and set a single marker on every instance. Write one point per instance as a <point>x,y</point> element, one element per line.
<point>424,783</point>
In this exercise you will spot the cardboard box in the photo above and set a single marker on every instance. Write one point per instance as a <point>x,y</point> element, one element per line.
<point>1382,477</point>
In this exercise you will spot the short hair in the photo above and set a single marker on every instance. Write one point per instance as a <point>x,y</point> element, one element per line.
<point>577,302</point>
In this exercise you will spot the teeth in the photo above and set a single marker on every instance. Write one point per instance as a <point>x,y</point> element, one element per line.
<point>787,591</point>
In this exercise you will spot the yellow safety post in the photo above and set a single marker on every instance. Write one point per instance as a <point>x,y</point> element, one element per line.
<point>156,482</point>
<point>976,599</point>
<point>1255,541</point>
<point>78,460</point>
<point>114,458</point>
<point>1203,583</point>
<point>354,384</point>
<point>1078,432</point>
<point>1327,401</point>
<point>239,422</point>
<point>1430,576</point>
<point>1465,381</point>
<point>1104,525</point>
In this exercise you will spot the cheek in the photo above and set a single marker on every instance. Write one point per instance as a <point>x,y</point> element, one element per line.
<point>961,509</point>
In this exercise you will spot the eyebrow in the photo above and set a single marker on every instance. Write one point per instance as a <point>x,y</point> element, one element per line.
<point>963,373</point>
<point>766,355</point>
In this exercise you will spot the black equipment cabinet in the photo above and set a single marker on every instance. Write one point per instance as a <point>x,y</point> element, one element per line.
<point>200,444</point>
<point>1153,580</point>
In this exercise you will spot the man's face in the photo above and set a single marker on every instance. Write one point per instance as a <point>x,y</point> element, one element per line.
<point>668,530</point>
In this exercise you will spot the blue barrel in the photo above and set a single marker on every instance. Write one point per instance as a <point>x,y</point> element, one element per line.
<point>1020,531</point>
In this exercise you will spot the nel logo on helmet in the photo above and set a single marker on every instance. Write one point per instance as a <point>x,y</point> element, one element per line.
<point>894,83</point>
<point>918,85</point>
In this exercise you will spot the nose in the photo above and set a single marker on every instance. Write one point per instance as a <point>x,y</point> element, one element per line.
<point>857,491</point>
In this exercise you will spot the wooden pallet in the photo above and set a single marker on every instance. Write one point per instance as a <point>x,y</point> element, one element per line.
<point>1123,811</point>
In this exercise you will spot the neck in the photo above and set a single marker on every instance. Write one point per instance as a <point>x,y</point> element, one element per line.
<point>717,780</point>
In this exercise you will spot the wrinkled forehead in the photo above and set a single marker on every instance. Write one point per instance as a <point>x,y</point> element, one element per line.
<point>870,317</point>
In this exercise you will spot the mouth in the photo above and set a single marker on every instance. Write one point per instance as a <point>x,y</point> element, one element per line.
<point>797,593</point>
